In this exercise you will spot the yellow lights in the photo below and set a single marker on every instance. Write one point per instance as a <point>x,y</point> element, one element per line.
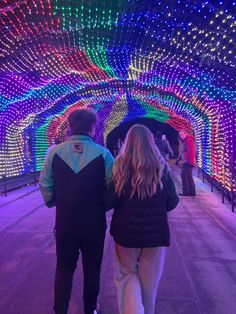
<point>118,113</point>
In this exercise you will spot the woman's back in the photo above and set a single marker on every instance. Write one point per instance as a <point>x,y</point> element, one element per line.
<point>143,222</point>
<point>141,192</point>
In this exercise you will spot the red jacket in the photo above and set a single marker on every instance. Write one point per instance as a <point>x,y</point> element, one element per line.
<point>188,150</point>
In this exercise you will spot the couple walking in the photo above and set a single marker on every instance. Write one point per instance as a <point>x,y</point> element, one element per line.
<point>82,180</point>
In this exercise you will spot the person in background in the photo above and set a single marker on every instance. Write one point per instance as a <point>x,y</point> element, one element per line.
<point>117,145</point>
<point>188,158</point>
<point>169,149</point>
<point>141,192</point>
<point>161,144</point>
<point>74,177</point>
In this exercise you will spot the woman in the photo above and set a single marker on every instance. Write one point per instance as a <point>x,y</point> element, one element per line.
<point>141,192</point>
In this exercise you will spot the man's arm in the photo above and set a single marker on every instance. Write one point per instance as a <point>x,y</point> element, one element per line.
<point>172,196</point>
<point>46,182</point>
<point>109,161</point>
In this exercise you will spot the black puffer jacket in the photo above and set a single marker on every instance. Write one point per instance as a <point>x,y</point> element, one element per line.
<point>143,223</point>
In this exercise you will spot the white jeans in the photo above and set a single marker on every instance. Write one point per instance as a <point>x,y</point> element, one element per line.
<point>137,275</point>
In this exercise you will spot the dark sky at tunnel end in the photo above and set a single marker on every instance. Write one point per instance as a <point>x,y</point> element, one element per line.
<point>121,130</point>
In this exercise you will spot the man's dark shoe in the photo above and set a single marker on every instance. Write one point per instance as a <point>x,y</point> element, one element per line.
<point>183,194</point>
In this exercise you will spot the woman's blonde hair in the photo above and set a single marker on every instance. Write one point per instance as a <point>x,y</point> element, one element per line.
<point>140,163</point>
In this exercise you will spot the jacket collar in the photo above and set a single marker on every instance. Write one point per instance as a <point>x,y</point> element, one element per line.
<point>84,137</point>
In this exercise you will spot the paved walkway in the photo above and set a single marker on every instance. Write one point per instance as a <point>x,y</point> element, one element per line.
<point>199,275</point>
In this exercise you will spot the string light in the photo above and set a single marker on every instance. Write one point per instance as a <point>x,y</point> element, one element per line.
<point>171,62</point>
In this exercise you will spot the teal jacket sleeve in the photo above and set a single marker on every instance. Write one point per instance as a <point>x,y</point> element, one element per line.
<point>46,182</point>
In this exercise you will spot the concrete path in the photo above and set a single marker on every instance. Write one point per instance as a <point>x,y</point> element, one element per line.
<point>199,275</point>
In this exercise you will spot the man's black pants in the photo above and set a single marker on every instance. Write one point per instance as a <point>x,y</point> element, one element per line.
<point>187,179</point>
<point>68,249</point>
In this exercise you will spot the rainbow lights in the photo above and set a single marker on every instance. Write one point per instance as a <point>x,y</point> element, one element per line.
<point>173,61</point>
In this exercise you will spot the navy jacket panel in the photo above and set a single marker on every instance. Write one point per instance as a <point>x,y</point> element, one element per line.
<point>74,178</point>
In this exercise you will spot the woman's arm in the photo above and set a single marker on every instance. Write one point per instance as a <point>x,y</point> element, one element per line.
<point>172,196</point>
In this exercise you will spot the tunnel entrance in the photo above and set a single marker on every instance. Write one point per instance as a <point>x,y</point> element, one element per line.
<point>153,125</point>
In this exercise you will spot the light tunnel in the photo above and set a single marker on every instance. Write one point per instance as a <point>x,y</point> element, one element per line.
<point>172,61</point>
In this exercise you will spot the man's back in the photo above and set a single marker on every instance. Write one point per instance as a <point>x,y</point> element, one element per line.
<point>79,168</point>
<point>73,178</point>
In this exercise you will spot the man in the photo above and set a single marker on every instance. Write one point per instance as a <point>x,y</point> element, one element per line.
<point>188,158</point>
<point>161,144</point>
<point>74,177</point>
<point>117,145</point>
<point>170,151</point>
